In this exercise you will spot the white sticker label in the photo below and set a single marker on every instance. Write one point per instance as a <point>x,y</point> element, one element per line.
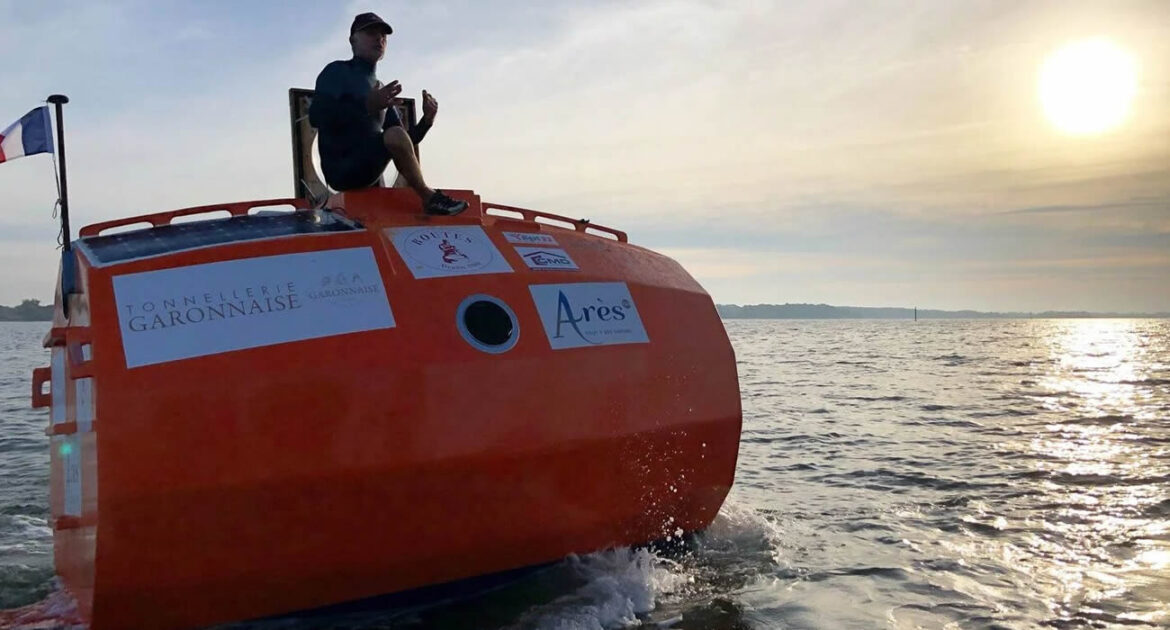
<point>233,305</point>
<point>69,449</point>
<point>83,403</point>
<point>588,314</point>
<point>546,258</point>
<point>530,238</point>
<point>57,384</point>
<point>432,252</point>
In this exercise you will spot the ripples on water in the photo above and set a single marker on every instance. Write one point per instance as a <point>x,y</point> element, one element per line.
<point>967,474</point>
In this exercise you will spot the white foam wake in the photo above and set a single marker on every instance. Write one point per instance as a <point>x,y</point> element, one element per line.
<point>619,585</point>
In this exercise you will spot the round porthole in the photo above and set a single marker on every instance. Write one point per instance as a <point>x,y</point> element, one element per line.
<point>487,324</point>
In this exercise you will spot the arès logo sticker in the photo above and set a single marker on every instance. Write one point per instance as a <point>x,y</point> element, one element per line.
<point>546,258</point>
<point>432,252</point>
<point>588,314</point>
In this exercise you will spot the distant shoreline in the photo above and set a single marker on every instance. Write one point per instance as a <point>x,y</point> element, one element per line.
<point>27,311</point>
<point>825,311</point>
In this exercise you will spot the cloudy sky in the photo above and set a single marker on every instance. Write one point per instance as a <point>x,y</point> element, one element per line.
<point>861,153</point>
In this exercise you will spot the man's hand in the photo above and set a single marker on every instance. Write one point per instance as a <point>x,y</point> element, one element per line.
<point>430,106</point>
<point>382,96</point>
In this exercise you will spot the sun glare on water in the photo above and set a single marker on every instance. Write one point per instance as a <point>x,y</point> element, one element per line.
<point>1087,87</point>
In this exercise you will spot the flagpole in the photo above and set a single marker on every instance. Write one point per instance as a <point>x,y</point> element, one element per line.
<point>58,100</point>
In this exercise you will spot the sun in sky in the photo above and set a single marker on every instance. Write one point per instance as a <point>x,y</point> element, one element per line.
<point>1087,87</point>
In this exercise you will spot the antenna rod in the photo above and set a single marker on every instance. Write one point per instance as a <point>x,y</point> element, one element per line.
<point>58,100</point>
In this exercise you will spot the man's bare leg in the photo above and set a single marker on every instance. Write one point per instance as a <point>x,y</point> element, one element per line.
<point>402,151</point>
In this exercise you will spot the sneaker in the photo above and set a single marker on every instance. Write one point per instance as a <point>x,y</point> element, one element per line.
<point>441,204</point>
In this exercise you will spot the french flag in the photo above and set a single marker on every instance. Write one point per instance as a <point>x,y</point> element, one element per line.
<point>30,135</point>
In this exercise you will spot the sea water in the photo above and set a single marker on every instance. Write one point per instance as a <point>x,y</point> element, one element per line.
<point>892,474</point>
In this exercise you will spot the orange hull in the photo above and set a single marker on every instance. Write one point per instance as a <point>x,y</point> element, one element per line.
<point>210,467</point>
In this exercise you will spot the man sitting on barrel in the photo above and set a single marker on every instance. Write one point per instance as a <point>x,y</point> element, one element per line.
<point>359,132</point>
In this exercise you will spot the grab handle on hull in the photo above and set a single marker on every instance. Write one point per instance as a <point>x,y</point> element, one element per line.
<point>66,522</point>
<point>67,428</point>
<point>40,398</point>
<point>160,219</point>
<point>580,225</point>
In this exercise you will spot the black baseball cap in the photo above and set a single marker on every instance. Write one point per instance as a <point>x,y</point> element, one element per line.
<point>366,20</point>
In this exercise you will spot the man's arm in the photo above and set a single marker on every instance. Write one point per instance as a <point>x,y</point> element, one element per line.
<point>416,132</point>
<point>430,109</point>
<point>334,109</point>
<point>420,129</point>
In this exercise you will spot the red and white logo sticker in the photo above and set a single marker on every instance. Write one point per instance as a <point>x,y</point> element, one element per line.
<point>432,252</point>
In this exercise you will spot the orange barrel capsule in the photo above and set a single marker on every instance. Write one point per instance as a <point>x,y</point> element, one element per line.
<point>274,412</point>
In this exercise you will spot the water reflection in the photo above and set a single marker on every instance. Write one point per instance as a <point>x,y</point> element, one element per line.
<point>1097,363</point>
<point>1093,539</point>
<point>965,474</point>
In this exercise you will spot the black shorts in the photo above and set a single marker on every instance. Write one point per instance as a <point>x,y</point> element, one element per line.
<point>361,167</point>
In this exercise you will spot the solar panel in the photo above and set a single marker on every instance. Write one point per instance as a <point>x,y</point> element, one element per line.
<point>171,238</point>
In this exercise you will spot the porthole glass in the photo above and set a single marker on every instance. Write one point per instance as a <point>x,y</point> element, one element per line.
<point>487,324</point>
